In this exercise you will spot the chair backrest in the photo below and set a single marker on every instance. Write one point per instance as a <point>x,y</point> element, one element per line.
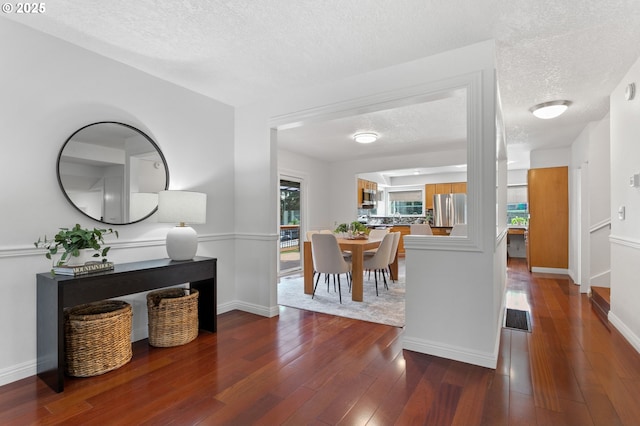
<point>327,256</point>
<point>378,234</point>
<point>459,230</point>
<point>420,229</point>
<point>380,259</point>
<point>394,246</point>
<point>322,231</point>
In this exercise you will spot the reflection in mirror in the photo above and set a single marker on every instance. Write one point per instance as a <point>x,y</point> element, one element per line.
<point>112,172</point>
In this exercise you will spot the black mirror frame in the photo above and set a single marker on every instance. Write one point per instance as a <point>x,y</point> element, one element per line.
<point>157,148</point>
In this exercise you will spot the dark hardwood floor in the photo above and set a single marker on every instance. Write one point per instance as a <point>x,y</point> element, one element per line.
<point>309,368</point>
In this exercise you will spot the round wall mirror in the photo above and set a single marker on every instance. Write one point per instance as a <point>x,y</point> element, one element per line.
<point>112,172</point>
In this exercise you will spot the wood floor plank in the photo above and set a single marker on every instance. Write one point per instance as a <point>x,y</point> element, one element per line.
<point>522,409</point>
<point>474,393</point>
<point>520,376</point>
<point>495,411</point>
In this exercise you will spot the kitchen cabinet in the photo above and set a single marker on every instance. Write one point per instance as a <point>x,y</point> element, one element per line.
<point>403,230</point>
<point>429,192</point>
<point>459,188</point>
<point>548,232</point>
<point>443,188</point>
<point>441,230</point>
<point>431,189</point>
<point>366,189</point>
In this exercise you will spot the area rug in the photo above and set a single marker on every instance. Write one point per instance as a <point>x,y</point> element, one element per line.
<point>387,308</point>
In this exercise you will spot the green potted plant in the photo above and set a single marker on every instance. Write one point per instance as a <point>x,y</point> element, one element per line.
<point>71,241</point>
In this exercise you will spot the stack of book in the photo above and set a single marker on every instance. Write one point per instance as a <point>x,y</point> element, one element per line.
<point>87,268</point>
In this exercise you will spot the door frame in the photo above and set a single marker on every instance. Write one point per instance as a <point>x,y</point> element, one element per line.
<point>301,178</point>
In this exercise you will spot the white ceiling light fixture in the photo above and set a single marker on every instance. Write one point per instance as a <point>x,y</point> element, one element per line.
<point>365,137</point>
<point>547,110</point>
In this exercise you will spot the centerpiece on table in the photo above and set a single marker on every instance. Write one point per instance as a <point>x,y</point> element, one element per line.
<point>76,246</point>
<point>353,231</point>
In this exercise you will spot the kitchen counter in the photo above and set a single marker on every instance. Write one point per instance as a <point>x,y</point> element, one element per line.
<point>516,230</point>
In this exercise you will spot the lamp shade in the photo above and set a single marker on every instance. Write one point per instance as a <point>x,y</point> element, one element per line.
<point>182,207</point>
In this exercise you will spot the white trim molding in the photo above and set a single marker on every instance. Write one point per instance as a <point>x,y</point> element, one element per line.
<point>543,270</point>
<point>18,371</point>
<point>628,334</point>
<point>626,242</point>
<point>602,279</point>
<point>473,84</point>
<point>600,225</point>
<point>483,359</point>
<point>116,245</point>
<point>252,308</point>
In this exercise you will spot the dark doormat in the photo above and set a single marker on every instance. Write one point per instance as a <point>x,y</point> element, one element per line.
<point>517,320</point>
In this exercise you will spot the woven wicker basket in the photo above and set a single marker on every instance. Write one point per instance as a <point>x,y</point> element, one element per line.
<point>97,337</point>
<point>173,316</point>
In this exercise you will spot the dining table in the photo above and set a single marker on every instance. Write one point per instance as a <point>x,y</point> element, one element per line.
<point>357,247</point>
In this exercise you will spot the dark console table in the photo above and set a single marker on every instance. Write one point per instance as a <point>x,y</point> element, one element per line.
<point>56,292</point>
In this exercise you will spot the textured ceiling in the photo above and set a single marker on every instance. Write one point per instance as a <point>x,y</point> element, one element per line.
<point>242,50</point>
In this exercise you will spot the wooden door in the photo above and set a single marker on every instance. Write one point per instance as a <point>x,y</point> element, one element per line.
<point>548,235</point>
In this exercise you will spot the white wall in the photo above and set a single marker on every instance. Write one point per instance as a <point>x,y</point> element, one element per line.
<point>517,177</point>
<point>550,158</point>
<point>589,249</point>
<point>50,89</point>
<point>625,234</point>
<point>599,206</point>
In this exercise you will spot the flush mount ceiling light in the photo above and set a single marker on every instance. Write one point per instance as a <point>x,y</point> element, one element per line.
<point>549,110</point>
<point>365,137</point>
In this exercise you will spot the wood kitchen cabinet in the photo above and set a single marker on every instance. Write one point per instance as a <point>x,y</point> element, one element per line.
<point>431,189</point>
<point>365,186</point>
<point>548,233</point>
<point>439,230</point>
<point>443,188</point>
<point>459,188</point>
<point>403,230</point>
<point>429,192</point>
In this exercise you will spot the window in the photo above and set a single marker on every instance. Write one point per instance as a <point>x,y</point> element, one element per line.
<point>406,202</point>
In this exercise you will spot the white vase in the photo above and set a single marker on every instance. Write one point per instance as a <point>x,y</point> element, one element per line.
<point>83,257</point>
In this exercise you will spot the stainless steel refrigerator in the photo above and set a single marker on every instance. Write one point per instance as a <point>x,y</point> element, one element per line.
<point>449,209</point>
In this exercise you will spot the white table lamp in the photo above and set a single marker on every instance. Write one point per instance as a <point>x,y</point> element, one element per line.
<point>182,207</point>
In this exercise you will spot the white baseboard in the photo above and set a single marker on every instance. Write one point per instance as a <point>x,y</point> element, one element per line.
<point>628,334</point>
<point>249,307</point>
<point>18,372</point>
<point>550,270</point>
<point>483,359</point>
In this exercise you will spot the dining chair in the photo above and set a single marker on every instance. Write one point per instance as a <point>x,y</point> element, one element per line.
<point>328,259</point>
<point>392,254</point>
<point>379,262</point>
<point>459,230</point>
<point>420,229</point>
<point>375,235</point>
<point>378,234</point>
